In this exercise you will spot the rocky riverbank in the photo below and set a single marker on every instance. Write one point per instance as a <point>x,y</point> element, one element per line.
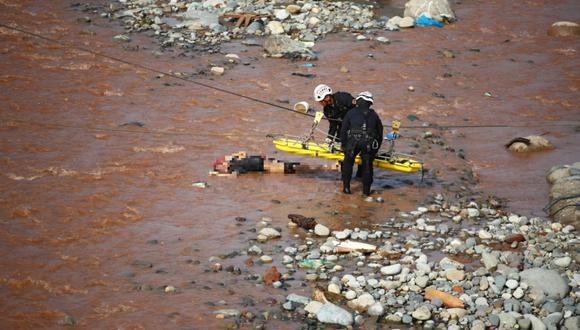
<point>445,265</point>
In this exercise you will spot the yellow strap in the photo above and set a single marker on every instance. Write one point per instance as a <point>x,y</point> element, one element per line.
<point>318,117</point>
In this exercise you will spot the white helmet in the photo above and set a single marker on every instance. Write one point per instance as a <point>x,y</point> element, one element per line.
<point>366,95</point>
<point>321,91</point>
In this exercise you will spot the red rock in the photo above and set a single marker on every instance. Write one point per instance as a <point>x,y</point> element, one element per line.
<point>457,288</point>
<point>515,238</point>
<point>272,275</point>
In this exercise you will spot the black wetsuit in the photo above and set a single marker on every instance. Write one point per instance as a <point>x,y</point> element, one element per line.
<point>335,112</point>
<point>361,133</point>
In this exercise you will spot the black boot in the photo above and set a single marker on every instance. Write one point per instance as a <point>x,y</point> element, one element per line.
<point>359,172</point>
<point>346,190</point>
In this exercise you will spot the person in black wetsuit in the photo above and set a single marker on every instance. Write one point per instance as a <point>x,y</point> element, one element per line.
<point>361,133</point>
<point>336,105</point>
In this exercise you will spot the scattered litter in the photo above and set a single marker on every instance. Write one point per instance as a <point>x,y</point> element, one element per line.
<point>423,20</point>
<point>308,65</point>
<point>488,94</point>
<point>301,107</point>
<point>200,184</point>
<point>305,75</point>
<point>352,246</point>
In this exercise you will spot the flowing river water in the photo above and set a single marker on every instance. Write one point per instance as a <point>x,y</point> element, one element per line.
<point>86,205</point>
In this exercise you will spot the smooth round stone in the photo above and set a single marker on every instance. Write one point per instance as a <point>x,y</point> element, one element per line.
<point>483,234</point>
<point>321,230</point>
<point>455,275</point>
<point>311,277</point>
<point>512,284</point>
<point>266,259</point>
<point>170,289</point>
<point>391,270</point>
<point>481,301</point>
<point>422,313</point>
<point>350,295</point>
<point>376,309</point>
<point>518,293</point>
<point>562,262</point>
<point>334,288</point>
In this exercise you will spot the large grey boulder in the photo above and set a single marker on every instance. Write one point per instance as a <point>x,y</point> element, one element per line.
<point>564,192</point>
<point>283,45</point>
<point>550,282</point>
<point>436,9</point>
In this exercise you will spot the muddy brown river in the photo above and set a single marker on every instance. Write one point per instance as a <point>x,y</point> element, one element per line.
<point>97,218</point>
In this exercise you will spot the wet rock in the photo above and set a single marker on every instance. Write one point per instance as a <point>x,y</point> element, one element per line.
<point>551,321</point>
<point>362,303</point>
<point>275,27</point>
<point>227,313</point>
<point>422,313</point>
<point>528,144</point>
<point>524,323</point>
<point>293,9</point>
<point>455,275</point>
<point>321,230</point>
<point>313,307</point>
<point>266,259</point>
<point>406,22</point>
<point>391,270</point>
<point>547,281</point>
<point>255,250</point>
<point>67,320</point>
<point>170,289</point>
<point>253,28</point>
<point>376,309</point>
<point>383,40</point>
<point>572,323</point>
<point>122,38</point>
<point>514,238</point>
<point>490,261</point>
<point>272,275</point>
<point>270,233</point>
<point>436,9</point>
<point>217,71</point>
<point>563,262</point>
<point>537,324</point>
<point>456,313</point>
<point>298,299</point>
<point>564,29</point>
<point>507,321</point>
<point>281,15</point>
<point>330,313</point>
<point>302,221</point>
<point>484,234</point>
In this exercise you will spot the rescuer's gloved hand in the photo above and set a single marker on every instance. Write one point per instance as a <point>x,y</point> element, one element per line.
<point>328,140</point>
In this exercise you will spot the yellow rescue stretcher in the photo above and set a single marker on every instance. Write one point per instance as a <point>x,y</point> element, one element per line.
<point>388,160</point>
